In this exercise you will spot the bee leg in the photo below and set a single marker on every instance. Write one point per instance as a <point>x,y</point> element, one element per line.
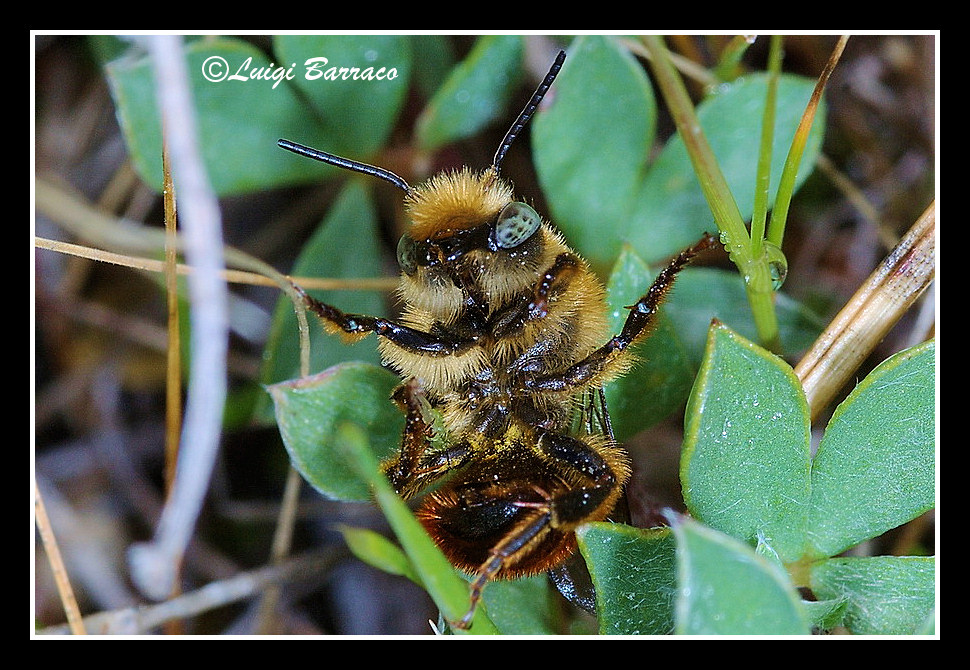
<point>418,433</point>
<point>605,470</point>
<point>637,325</point>
<point>359,325</point>
<point>604,467</point>
<point>414,466</point>
<point>566,266</point>
<point>501,553</point>
<point>512,320</point>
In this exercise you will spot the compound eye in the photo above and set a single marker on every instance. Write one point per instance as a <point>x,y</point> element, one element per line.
<point>516,223</point>
<point>407,254</point>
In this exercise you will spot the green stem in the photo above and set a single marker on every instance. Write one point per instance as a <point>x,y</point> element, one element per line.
<point>727,216</point>
<point>779,213</point>
<point>714,185</point>
<point>760,212</point>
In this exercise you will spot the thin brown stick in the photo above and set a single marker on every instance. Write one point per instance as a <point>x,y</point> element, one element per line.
<point>173,371</point>
<point>282,542</point>
<point>173,357</point>
<point>878,304</point>
<point>232,276</point>
<point>74,620</point>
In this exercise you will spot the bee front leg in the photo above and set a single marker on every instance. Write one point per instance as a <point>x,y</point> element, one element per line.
<point>607,361</point>
<point>356,326</point>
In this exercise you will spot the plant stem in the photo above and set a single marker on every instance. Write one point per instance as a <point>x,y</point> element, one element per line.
<point>727,216</point>
<point>779,213</point>
<point>760,212</point>
<point>880,302</point>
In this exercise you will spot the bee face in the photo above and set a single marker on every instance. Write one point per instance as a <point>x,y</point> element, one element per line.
<point>469,237</point>
<point>502,335</point>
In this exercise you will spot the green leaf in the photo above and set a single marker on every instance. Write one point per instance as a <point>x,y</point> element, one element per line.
<point>705,293</point>
<point>662,378</point>
<point>884,595</point>
<point>633,573</point>
<point>446,588</point>
<point>725,588</point>
<point>310,410</point>
<point>433,58</point>
<point>474,95</point>
<point>346,245</point>
<point>591,141</point>
<point>670,211</point>
<point>377,551</point>
<point>825,614</point>
<point>875,466</point>
<point>525,606</point>
<point>745,462</point>
<point>239,120</point>
<point>356,114</point>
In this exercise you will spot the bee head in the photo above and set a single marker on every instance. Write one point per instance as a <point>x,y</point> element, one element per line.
<point>464,225</point>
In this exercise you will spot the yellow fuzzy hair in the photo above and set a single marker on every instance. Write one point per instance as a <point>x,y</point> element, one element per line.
<point>455,201</point>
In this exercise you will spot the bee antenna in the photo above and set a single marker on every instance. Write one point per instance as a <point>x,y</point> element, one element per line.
<point>345,163</point>
<point>527,111</point>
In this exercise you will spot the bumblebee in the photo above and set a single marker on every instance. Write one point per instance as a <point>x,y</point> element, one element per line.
<point>502,334</point>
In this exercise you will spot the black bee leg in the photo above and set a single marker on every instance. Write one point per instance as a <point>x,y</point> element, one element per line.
<point>418,433</point>
<point>546,518</point>
<point>566,265</point>
<point>639,322</point>
<point>532,528</point>
<point>604,468</point>
<point>359,325</point>
<point>415,465</point>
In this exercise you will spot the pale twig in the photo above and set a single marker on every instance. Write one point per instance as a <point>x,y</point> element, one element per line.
<point>145,619</point>
<point>230,276</point>
<point>155,564</point>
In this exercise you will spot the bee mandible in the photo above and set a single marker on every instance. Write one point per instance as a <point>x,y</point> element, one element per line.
<point>502,333</point>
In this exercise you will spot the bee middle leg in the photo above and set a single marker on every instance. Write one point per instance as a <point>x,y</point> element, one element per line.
<point>639,322</point>
<point>416,465</point>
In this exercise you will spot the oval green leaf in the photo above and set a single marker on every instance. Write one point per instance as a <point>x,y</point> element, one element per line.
<point>476,93</point>
<point>377,551</point>
<point>309,412</point>
<point>875,466</point>
<point>883,595</point>
<point>590,142</point>
<point>745,462</point>
<point>633,572</point>
<point>725,588</point>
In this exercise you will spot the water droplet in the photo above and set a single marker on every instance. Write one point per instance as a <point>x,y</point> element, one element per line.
<point>777,265</point>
